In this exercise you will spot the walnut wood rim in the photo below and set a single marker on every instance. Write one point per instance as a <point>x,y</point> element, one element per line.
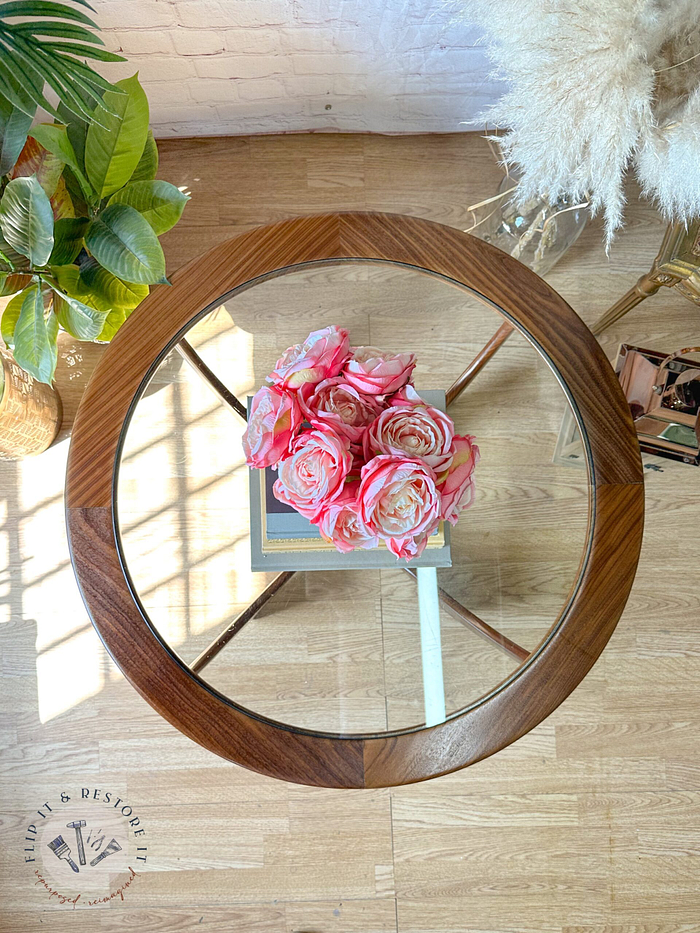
<point>595,602</point>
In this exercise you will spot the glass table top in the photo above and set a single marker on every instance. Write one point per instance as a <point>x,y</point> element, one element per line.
<point>351,651</point>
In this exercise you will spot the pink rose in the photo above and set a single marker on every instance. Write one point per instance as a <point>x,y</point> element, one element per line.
<point>412,429</point>
<point>320,356</point>
<point>339,405</point>
<point>398,502</point>
<point>340,524</point>
<point>274,419</point>
<point>313,474</point>
<point>358,461</point>
<point>406,397</point>
<point>456,484</point>
<point>375,372</point>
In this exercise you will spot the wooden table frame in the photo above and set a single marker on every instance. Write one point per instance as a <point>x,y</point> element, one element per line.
<point>555,667</point>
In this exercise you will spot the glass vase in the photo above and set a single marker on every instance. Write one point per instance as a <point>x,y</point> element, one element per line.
<point>537,232</point>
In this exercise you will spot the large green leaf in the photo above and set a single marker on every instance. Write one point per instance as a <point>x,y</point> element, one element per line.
<point>68,240</point>
<point>101,292</point>
<point>80,320</point>
<point>35,337</point>
<point>94,286</point>
<point>114,321</point>
<point>54,138</point>
<point>107,291</point>
<point>52,334</point>
<point>81,206</point>
<point>148,163</point>
<point>113,151</point>
<point>26,219</point>
<point>61,201</point>
<point>159,202</point>
<point>68,279</point>
<point>10,259</point>
<point>123,242</point>
<point>9,319</point>
<point>77,133</point>
<point>14,126</point>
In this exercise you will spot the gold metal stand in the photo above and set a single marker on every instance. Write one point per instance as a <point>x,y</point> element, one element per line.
<point>677,265</point>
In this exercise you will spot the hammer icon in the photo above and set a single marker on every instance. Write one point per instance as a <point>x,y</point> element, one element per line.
<point>76,825</point>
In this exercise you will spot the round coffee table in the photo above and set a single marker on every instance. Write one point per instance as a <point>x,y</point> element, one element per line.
<point>337,677</point>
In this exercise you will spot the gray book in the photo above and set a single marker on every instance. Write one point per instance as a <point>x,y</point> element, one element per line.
<point>282,539</point>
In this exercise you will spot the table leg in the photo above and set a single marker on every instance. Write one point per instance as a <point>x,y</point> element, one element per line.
<point>642,289</point>
<point>190,355</point>
<point>223,638</point>
<point>430,645</point>
<point>479,361</point>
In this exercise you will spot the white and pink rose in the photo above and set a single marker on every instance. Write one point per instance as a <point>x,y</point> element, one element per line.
<point>340,522</point>
<point>320,356</point>
<point>339,405</point>
<point>398,502</point>
<point>313,473</point>
<point>274,420</point>
<point>374,372</point>
<point>411,428</point>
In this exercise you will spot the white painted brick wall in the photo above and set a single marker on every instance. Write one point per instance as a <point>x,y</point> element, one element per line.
<point>268,66</point>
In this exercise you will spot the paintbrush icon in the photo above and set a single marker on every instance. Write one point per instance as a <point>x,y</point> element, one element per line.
<point>61,850</point>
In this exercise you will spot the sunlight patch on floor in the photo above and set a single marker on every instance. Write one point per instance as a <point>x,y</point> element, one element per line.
<point>69,673</point>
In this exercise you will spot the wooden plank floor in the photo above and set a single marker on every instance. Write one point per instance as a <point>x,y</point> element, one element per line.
<point>590,824</point>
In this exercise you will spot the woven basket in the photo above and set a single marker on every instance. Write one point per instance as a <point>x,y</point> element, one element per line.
<point>30,412</point>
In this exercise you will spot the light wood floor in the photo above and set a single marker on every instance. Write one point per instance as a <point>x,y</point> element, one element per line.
<point>590,824</point>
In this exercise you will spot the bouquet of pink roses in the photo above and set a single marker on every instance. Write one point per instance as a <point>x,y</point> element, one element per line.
<point>358,452</point>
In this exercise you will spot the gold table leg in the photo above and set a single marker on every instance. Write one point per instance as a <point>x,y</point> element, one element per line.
<point>646,286</point>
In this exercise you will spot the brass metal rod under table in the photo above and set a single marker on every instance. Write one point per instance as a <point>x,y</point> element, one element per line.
<point>190,355</point>
<point>241,619</point>
<point>472,621</point>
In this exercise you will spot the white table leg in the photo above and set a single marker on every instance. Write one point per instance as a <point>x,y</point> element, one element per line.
<point>431,648</point>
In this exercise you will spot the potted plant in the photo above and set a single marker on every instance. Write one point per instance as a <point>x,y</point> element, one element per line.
<point>80,207</point>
